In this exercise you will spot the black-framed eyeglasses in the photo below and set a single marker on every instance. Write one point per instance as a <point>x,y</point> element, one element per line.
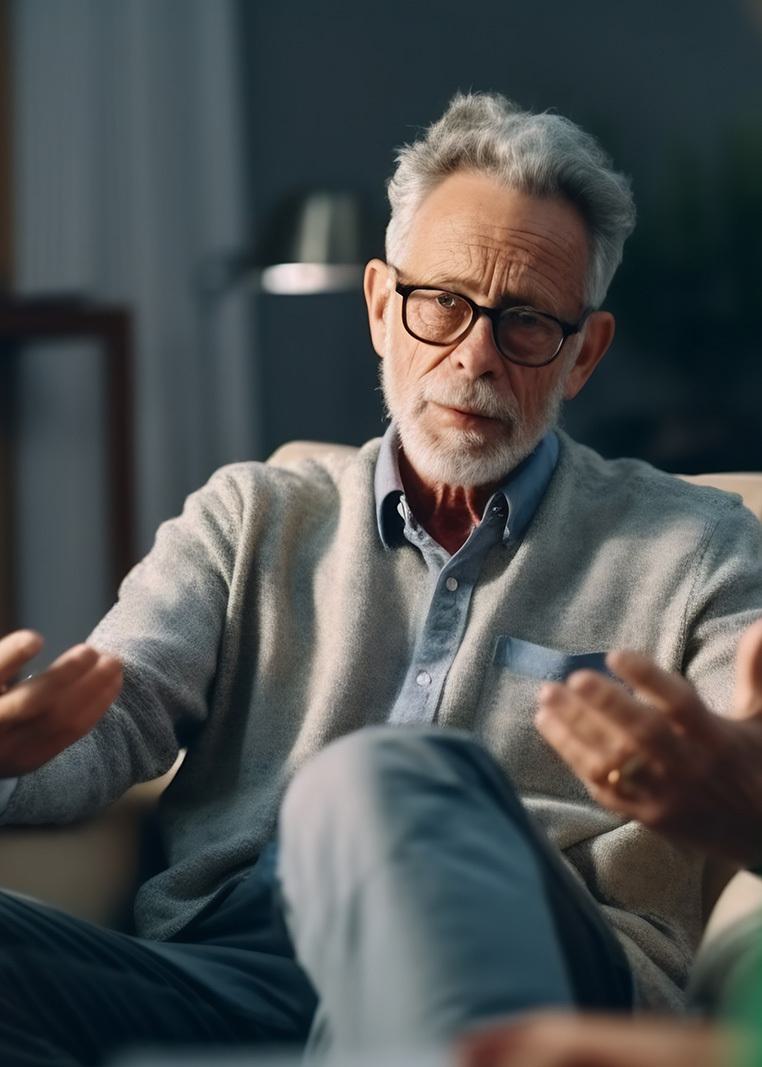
<point>523,335</point>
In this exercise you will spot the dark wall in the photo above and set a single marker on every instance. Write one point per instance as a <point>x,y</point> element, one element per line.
<point>674,90</point>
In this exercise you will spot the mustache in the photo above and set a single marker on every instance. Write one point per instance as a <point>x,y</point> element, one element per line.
<point>478,397</point>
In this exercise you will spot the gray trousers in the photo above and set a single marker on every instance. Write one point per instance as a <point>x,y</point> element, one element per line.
<point>414,899</point>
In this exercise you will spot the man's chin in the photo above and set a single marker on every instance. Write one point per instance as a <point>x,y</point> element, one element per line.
<point>463,457</point>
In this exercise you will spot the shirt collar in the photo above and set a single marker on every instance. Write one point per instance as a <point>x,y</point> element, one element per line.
<point>523,489</point>
<point>525,486</point>
<point>388,488</point>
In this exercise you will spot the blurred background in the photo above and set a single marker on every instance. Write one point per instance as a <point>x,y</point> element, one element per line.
<point>161,160</point>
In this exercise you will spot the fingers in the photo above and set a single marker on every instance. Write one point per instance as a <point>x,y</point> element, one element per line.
<point>15,650</point>
<point>589,761</point>
<point>597,724</point>
<point>89,695</point>
<point>610,700</point>
<point>76,709</point>
<point>588,743</point>
<point>668,692</point>
<point>556,1040</point>
<point>748,689</point>
<point>598,728</point>
<point>33,695</point>
<point>72,678</point>
<point>43,715</point>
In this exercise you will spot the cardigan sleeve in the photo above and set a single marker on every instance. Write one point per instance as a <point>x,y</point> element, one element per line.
<point>725,598</point>
<point>166,627</point>
<point>7,786</point>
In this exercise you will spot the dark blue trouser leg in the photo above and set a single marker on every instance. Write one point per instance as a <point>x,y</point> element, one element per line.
<point>73,993</point>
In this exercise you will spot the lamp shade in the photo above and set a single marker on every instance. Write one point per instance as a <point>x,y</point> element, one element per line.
<point>318,242</point>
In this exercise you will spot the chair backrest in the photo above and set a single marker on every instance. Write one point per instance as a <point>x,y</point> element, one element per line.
<point>295,450</point>
<point>748,484</point>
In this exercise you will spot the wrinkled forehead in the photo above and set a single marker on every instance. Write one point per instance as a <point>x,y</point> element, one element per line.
<point>498,243</point>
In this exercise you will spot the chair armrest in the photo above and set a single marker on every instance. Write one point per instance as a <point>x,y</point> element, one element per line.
<point>88,869</point>
<point>741,896</point>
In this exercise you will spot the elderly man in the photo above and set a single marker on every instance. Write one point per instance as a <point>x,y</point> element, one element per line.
<point>444,866</point>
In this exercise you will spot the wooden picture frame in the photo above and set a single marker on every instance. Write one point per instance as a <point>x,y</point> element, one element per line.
<point>6,154</point>
<point>6,282</point>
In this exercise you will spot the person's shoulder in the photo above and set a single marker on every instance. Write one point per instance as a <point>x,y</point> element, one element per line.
<point>297,472</point>
<point>635,487</point>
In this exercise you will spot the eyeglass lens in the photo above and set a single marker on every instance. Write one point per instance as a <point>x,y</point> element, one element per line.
<point>442,317</point>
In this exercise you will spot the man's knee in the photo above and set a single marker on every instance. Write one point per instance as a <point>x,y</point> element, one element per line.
<point>347,810</point>
<point>333,780</point>
<point>374,771</point>
<point>356,758</point>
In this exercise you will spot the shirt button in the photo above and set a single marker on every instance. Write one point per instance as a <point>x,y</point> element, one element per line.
<point>423,678</point>
<point>452,584</point>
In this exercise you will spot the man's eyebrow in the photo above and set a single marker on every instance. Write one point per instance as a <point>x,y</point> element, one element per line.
<point>458,285</point>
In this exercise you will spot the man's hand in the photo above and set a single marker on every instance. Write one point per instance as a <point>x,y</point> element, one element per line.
<point>43,715</point>
<point>550,1039</point>
<point>693,774</point>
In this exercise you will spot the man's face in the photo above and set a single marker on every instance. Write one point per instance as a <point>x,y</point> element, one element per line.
<point>467,415</point>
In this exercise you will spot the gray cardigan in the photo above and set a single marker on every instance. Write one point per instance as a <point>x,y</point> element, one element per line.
<point>269,619</point>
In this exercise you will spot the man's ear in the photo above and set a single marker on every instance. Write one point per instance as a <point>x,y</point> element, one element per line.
<point>599,333</point>
<point>377,289</point>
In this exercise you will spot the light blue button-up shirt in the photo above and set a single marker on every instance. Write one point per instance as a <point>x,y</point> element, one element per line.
<point>506,516</point>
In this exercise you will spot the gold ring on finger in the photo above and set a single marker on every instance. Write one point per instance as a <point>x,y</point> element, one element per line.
<point>625,772</point>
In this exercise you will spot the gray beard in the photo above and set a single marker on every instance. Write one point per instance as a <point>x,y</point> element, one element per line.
<point>465,457</point>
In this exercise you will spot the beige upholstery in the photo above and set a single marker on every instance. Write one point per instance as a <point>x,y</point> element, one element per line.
<point>294,450</point>
<point>746,484</point>
<point>92,869</point>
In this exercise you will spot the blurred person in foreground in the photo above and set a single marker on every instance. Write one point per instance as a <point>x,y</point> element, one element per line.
<point>369,842</point>
<point>697,778</point>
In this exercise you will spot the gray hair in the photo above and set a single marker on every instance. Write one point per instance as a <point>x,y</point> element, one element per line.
<point>543,155</point>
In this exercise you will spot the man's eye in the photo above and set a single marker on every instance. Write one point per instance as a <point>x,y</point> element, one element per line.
<point>447,301</point>
<point>525,318</point>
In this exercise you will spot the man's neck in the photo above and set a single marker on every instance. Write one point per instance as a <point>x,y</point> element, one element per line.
<point>448,513</point>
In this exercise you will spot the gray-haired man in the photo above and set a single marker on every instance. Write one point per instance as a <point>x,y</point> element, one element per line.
<point>425,587</point>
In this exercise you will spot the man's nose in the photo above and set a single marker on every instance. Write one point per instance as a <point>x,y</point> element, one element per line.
<point>477,354</point>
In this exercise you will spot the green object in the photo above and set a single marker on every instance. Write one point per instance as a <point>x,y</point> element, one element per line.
<point>744,1005</point>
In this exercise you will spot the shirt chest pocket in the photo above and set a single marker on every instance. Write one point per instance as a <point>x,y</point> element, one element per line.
<point>528,660</point>
<point>508,705</point>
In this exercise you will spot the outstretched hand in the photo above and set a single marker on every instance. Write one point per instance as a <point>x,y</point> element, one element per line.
<point>43,715</point>
<point>659,755</point>
<point>554,1039</point>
